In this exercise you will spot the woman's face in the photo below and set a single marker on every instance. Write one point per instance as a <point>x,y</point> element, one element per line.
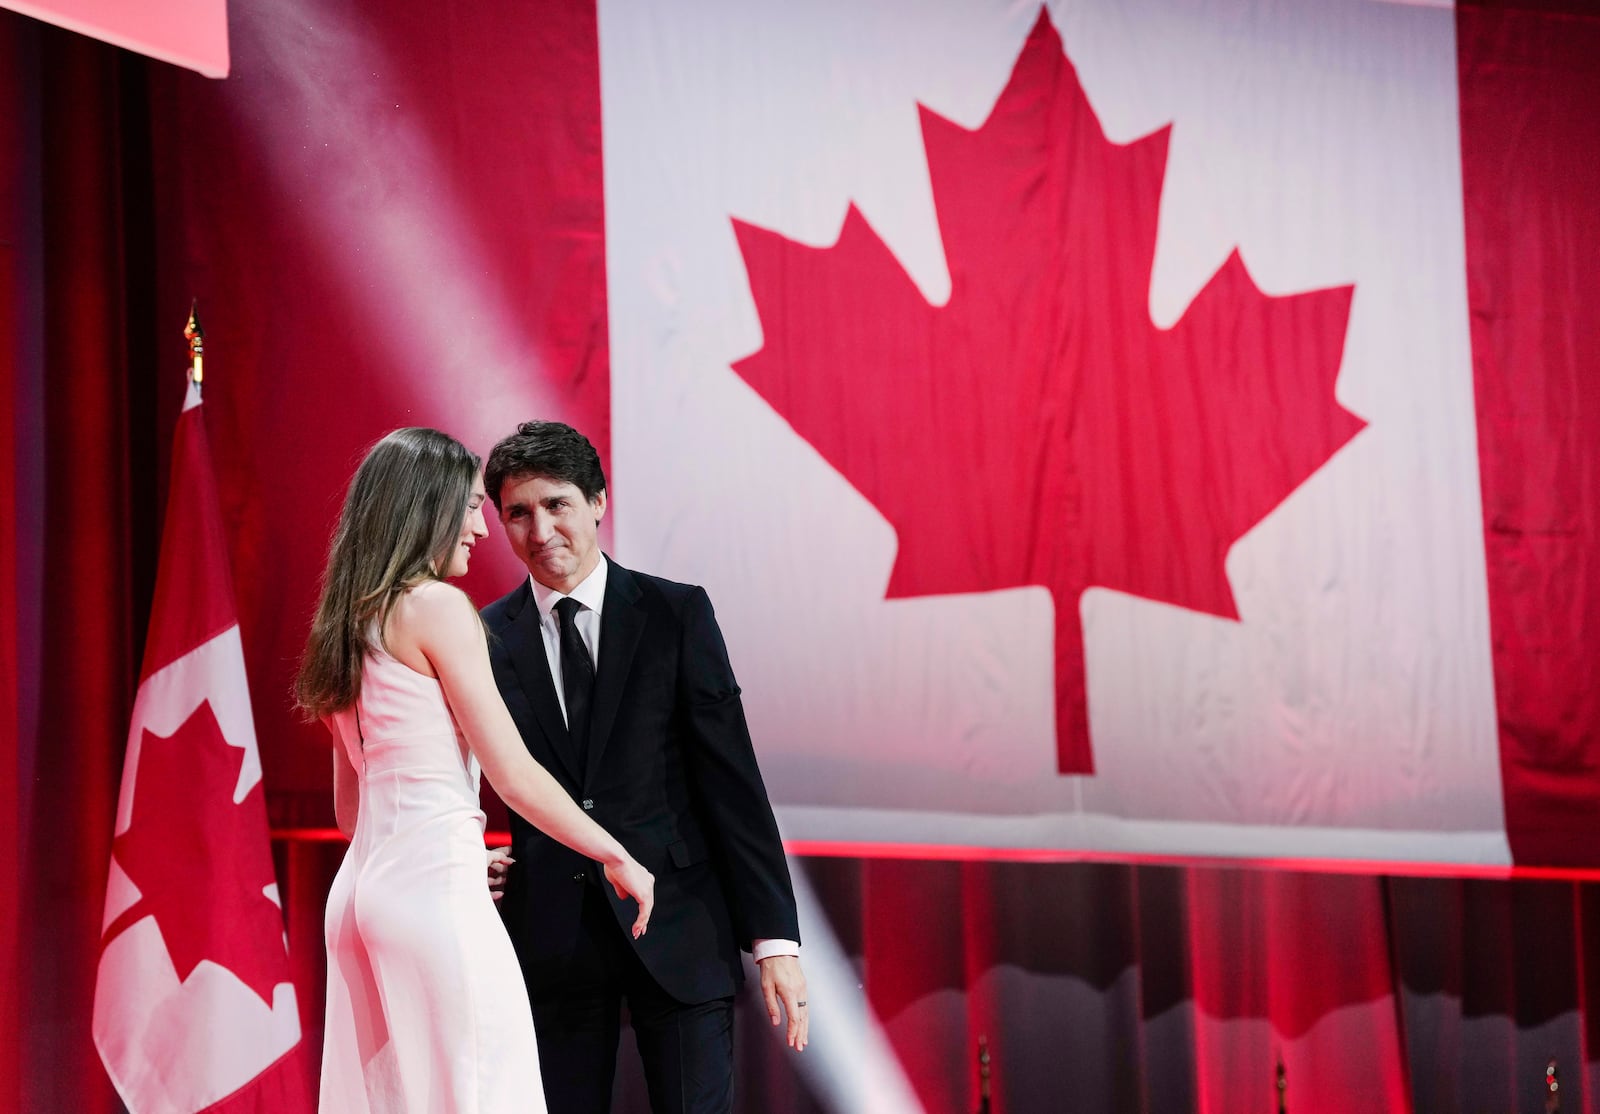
<point>472,529</point>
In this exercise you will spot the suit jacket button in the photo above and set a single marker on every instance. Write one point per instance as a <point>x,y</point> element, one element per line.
<point>578,877</point>
<point>588,804</point>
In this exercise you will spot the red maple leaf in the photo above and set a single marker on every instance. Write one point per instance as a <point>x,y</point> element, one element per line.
<point>1038,429</point>
<point>199,860</point>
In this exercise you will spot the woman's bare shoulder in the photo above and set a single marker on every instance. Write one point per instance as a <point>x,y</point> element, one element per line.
<point>429,607</point>
<point>436,593</point>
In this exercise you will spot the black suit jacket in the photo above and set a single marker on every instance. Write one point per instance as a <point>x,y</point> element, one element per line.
<point>670,773</point>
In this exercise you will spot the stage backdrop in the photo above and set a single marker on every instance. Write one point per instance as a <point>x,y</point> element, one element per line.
<point>402,220</point>
<point>1109,428</point>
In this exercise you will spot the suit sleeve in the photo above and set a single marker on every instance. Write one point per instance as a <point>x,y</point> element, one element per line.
<point>727,781</point>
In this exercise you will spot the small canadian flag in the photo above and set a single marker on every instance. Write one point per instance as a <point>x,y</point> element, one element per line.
<point>194,1008</point>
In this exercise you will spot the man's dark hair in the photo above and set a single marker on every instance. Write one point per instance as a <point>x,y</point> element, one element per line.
<point>552,449</point>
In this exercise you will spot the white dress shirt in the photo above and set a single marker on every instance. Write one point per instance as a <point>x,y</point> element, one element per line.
<point>591,593</point>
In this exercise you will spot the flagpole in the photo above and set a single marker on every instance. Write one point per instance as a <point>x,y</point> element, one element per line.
<point>196,336</point>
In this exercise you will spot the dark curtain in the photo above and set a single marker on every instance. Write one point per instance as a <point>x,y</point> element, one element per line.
<point>18,145</point>
<point>82,442</point>
<point>1098,987</point>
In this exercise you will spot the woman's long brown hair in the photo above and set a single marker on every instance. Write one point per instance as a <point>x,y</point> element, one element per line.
<point>399,525</point>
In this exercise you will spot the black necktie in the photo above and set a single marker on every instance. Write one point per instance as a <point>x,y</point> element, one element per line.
<point>577,676</point>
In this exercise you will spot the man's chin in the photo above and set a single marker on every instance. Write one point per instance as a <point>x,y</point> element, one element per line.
<point>552,575</point>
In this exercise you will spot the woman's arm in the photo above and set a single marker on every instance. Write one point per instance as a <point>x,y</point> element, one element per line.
<point>441,621</point>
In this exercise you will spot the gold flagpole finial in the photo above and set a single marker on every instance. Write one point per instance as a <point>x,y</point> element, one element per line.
<point>196,336</point>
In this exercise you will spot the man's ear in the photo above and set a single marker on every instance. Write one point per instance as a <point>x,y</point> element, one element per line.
<point>599,505</point>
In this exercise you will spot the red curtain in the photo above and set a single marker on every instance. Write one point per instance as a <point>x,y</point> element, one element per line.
<point>1531,178</point>
<point>1159,988</point>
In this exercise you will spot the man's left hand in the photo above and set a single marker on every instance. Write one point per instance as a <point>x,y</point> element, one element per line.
<point>783,981</point>
<point>499,860</point>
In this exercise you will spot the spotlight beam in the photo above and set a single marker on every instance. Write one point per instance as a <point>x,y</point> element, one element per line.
<point>384,213</point>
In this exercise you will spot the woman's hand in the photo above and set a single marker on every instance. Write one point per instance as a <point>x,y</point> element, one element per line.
<point>630,879</point>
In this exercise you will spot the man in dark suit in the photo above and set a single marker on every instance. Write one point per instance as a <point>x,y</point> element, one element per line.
<point>621,687</point>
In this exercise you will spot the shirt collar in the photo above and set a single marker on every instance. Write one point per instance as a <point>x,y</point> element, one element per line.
<point>591,591</point>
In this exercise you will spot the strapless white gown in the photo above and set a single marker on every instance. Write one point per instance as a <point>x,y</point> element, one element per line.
<point>426,1009</point>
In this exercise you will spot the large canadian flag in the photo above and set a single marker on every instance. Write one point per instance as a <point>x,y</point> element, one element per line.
<point>1122,427</point>
<point>194,1008</point>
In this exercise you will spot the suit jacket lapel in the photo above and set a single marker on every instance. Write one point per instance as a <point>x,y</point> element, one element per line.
<point>621,625</point>
<point>524,644</point>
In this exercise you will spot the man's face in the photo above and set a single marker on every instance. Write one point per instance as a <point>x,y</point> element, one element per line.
<point>552,529</point>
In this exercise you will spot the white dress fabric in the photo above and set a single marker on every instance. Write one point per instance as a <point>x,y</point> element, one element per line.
<point>426,1009</point>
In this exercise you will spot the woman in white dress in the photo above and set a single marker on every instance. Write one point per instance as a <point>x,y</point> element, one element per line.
<point>426,1008</point>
